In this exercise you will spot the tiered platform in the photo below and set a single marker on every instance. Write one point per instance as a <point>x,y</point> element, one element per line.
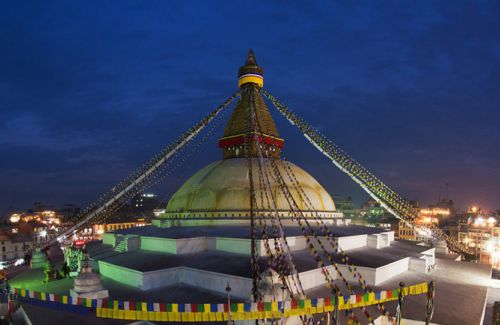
<point>200,275</point>
<point>210,257</point>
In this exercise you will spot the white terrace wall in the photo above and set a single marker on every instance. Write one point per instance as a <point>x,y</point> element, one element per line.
<point>391,270</point>
<point>352,242</point>
<point>160,278</point>
<point>418,264</point>
<point>108,239</point>
<point>240,245</point>
<point>121,274</point>
<point>424,262</point>
<point>191,245</point>
<point>368,273</point>
<point>133,243</point>
<point>240,286</point>
<point>295,243</point>
<point>378,241</point>
<point>430,255</point>
<point>390,235</point>
<point>314,278</point>
<point>348,242</point>
<point>234,245</point>
<point>373,276</point>
<point>157,244</point>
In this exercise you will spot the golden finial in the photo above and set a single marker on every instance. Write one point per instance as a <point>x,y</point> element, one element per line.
<point>251,73</point>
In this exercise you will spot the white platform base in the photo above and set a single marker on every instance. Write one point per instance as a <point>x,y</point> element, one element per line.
<point>101,294</point>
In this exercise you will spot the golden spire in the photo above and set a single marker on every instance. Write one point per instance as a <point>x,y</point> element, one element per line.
<point>239,129</point>
<point>251,73</point>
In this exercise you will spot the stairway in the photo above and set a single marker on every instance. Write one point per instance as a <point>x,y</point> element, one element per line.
<point>121,246</point>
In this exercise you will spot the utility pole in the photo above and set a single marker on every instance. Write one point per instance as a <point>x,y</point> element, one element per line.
<point>228,290</point>
<point>430,303</point>
<point>399,308</point>
<point>283,287</point>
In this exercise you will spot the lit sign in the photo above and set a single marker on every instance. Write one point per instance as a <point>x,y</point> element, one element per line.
<point>435,212</point>
<point>79,242</point>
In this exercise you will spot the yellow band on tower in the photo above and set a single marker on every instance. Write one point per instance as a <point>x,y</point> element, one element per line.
<point>253,78</point>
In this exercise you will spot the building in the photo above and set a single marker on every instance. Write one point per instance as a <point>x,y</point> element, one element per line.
<point>41,226</point>
<point>372,211</point>
<point>346,206</point>
<point>13,247</point>
<point>145,202</point>
<point>431,216</point>
<point>69,211</point>
<point>482,235</point>
<point>113,224</point>
<point>406,232</point>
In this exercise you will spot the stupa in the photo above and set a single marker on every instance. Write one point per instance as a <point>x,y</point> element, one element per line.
<point>88,284</point>
<point>219,194</point>
<point>204,238</point>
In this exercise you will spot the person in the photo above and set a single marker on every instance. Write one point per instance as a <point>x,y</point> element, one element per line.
<point>65,270</point>
<point>27,258</point>
<point>4,288</point>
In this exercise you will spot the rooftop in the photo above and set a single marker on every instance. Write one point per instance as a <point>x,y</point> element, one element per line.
<point>461,290</point>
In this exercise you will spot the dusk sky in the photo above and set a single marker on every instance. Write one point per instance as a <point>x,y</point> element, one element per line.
<point>89,90</point>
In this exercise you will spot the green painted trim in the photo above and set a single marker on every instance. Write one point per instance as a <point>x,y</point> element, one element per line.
<point>155,244</point>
